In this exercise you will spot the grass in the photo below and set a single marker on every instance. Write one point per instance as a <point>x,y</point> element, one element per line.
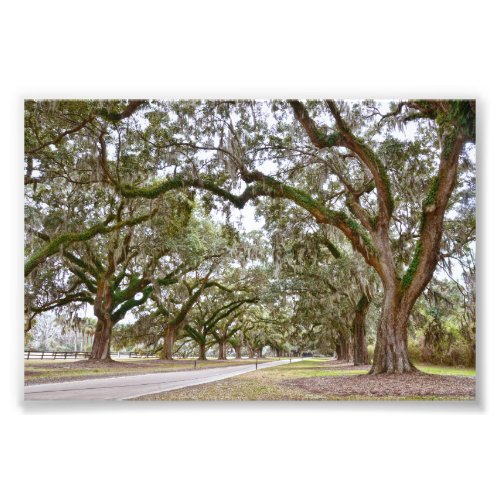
<point>447,370</point>
<point>45,371</point>
<point>248,387</point>
<point>269,384</point>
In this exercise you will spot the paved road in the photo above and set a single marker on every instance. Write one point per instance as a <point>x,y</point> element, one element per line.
<point>132,386</point>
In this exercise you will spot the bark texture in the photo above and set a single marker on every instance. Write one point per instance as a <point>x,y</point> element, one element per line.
<point>103,308</point>
<point>360,351</point>
<point>222,350</point>
<point>343,350</point>
<point>237,350</point>
<point>391,349</point>
<point>202,352</point>
<point>169,338</point>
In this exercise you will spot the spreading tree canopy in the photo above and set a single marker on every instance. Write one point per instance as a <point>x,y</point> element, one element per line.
<point>387,177</point>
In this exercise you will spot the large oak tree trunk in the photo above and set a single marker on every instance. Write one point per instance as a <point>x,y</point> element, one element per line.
<point>102,340</point>
<point>391,349</point>
<point>203,355</point>
<point>103,308</point>
<point>360,351</point>
<point>342,348</point>
<point>168,342</point>
<point>222,350</point>
<point>237,350</point>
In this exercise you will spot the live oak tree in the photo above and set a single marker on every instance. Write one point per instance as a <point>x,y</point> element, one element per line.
<point>119,271</point>
<point>215,253</point>
<point>78,221</point>
<point>382,175</point>
<point>454,126</point>
<point>176,317</point>
<point>207,316</point>
<point>348,143</point>
<point>319,269</point>
<point>227,329</point>
<point>67,201</point>
<point>174,320</point>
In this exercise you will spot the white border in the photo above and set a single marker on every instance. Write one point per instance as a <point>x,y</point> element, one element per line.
<point>260,49</point>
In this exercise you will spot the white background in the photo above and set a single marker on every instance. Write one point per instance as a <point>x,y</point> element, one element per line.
<point>377,49</point>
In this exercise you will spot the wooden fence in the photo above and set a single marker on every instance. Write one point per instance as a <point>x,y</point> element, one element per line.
<point>80,355</point>
<point>132,355</point>
<point>55,355</point>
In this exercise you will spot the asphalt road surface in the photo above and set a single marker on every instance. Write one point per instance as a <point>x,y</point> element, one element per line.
<point>132,386</point>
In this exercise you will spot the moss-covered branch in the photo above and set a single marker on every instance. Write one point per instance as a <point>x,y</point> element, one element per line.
<point>225,311</point>
<point>130,304</point>
<point>434,206</point>
<point>194,334</point>
<point>64,240</point>
<point>317,137</point>
<point>58,138</point>
<point>180,182</point>
<point>368,156</point>
<point>263,185</point>
<point>83,265</point>
<point>331,247</point>
<point>69,298</point>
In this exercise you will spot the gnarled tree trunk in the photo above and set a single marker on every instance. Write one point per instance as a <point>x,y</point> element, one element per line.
<point>237,350</point>
<point>391,349</point>
<point>360,351</point>
<point>342,348</point>
<point>169,338</point>
<point>103,308</point>
<point>203,355</point>
<point>222,350</point>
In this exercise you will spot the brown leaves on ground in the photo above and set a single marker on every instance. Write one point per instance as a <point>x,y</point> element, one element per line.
<point>405,385</point>
<point>344,365</point>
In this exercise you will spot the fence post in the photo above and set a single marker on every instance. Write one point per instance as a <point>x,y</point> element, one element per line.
<point>43,352</point>
<point>29,354</point>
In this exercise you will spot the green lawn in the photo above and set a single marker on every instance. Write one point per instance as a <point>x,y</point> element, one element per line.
<point>447,370</point>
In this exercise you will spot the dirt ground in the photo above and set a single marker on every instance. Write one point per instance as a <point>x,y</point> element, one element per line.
<point>330,380</point>
<point>406,385</point>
